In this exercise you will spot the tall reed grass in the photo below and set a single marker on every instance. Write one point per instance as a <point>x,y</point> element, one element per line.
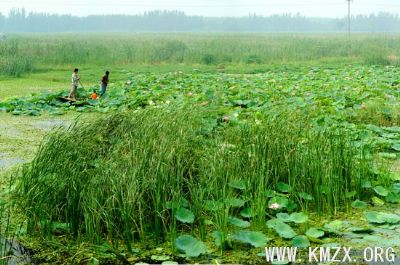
<point>123,176</point>
<point>14,59</point>
<point>210,49</point>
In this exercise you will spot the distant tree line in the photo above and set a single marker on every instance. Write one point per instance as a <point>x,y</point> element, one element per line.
<point>18,20</point>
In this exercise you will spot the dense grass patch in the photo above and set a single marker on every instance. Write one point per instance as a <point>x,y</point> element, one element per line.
<point>14,60</point>
<point>107,50</point>
<point>127,175</point>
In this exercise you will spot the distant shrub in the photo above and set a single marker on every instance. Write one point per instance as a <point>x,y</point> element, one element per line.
<point>15,66</point>
<point>209,59</point>
<point>377,59</point>
<point>253,59</point>
<point>227,59</point>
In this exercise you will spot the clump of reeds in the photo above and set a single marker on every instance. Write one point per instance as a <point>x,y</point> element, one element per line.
<point>124,175</point>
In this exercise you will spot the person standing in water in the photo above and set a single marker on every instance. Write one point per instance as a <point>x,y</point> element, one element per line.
<point>104,83</point>
<point>74,87</point>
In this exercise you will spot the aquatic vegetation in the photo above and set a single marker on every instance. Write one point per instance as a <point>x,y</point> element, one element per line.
<point>207,163</point>
<point>357,98</point>
<point>184,176</point>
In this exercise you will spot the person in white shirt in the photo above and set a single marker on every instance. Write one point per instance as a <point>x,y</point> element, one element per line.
<point>75,81</point>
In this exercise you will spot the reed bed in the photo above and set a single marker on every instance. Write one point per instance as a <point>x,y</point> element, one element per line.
<point>123,176</point>
<point>24,53</point>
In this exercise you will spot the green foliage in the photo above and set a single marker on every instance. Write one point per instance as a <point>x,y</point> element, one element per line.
<point>190,246</point>
<point>359,204</point>
<point>238,222</point>
<point>14,60</point>
<point>247,213</point>
<point>184,215</point>
<point>136,178</point>
<point>381,191</point>
<point>238,184</point>
<point>19,54</point>
<point>315,233</point>
<point>256,239</point>
<point>283,230</point>
<point>382,218</point>
<point>300,242</point>
<point>282,187</point>
<point>298,218</point>
<point>284,217</point>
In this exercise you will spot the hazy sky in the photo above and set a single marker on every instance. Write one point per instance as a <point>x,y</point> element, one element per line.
<point>326,8</point>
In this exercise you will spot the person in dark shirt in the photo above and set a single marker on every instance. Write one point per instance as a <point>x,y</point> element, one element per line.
<point>104,83</point>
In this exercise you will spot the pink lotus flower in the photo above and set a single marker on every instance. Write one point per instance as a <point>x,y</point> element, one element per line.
<point>274,206</point>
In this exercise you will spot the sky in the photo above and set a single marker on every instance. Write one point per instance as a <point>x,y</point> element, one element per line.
<point>310,8</point>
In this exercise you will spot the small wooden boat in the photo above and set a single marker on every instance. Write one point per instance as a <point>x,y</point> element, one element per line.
<point>67,99</point>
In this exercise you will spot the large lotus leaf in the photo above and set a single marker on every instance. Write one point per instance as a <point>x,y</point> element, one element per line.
<point>335,226</point>
<point>190,246</point>
<point>300,242</point>
<point>359,204</point>
<point>235,202</point>
<point>283,230</point>
<point>315,233</point>
<point>298,218</point>
<point>256,239</point>
<point>393,198</point>
<point>284,217</point>
<point>247,213</point>
<point>281,201</point>
<point>350,194</point>
<point>396,187</point>
<point>382,218</point>
<point>238,222</point>
<point>361,230</point>
<point>374,217</point>
<point>184,215</point>
<point>238,184</point>
<point>213,206</point>
<point>218,238</point>
<point>306,196</point>
<point>366,184</point>
<point>396,147</point>
<point>381,191</point>
<point>391,218</point>
<point>270,193</point>
<point>283,187</point>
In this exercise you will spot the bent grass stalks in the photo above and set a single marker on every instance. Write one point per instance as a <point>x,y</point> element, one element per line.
<point>124,176</point>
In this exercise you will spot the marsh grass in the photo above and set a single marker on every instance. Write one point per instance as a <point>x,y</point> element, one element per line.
<point>14,60</point>
<point>7,226</point>
<point>123,176</point>
<point>26,52</point>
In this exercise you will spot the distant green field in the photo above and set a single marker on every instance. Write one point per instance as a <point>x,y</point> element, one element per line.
<point>26,53</point>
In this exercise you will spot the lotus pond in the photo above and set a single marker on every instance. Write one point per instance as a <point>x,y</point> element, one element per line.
<point>213,167</point>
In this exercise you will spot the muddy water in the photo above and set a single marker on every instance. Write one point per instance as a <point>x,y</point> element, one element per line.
<point>9,162</point>
<point>15,252</point>
<point>20,137</point>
